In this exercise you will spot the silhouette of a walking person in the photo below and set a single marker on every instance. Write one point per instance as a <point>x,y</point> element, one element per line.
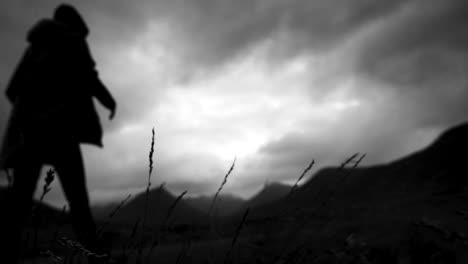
<point>52,93</point>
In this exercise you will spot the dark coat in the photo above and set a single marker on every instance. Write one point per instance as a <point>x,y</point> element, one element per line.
<point>52,89</point>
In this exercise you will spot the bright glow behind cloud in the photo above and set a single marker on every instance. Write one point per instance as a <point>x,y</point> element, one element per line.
<point>274,83</point>
<point>203,123</point>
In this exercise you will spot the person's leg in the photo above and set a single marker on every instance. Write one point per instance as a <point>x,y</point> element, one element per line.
<point>17,205</point>
<point>69,165</point>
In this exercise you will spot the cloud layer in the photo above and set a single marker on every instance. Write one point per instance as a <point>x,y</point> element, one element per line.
<point>274,82</point>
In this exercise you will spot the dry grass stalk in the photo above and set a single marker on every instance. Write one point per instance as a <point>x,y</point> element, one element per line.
<point>288,210</point>
<point>116,210</point>
<point>165,224</point>
<point>296,184</point>
<point>134,230</point>
<point>221,186</point>
<point>345,175</point>
<point>79,248</point>
<point>183,251</point>
<point>50,176</point>
<point>60,224</point>
<point>349,160</point>
<point>52,256</point>
<point>357,162</point>
<point>131,239</point>
<point>172,207</point>
<point>148,186</point>
<point>112,214</point>
<point>236,235</point>
<point>154,245</point>
<point>154,239</point>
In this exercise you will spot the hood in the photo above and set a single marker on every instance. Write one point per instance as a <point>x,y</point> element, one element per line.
<point>47,30</point>
<point>69,15</point>
<point>66,23</point>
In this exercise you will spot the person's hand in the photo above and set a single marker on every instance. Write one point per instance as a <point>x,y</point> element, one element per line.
<point>109,103</point>
<point>112,112</point>
<point>112,108</point>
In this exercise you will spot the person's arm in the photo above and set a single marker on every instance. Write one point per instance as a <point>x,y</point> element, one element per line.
<point>104,96</point>
<point>97,88</point>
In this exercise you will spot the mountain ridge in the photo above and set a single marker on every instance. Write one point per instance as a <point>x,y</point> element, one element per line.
<point>383,201</point>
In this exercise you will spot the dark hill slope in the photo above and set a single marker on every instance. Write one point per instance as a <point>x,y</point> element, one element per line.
<point>159,203</point>
<point>271,192</point>
<point>224,205</point>
<point>383,201</point>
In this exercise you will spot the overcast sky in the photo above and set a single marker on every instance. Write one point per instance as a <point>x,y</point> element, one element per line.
<point>274,83</point>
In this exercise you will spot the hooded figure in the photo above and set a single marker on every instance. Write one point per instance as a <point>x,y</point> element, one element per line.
<point>52,93</point>
<point>52,88</point>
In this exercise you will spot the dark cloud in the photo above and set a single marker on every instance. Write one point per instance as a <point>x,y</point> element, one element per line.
<point>205,33</point>
<point>436,25</point>
<point>415,54</point>
<point>212,32</point>
<point>422,53</point>
<point>417,45</point>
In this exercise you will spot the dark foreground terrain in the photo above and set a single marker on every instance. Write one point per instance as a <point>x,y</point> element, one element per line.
<point>413,210</point>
